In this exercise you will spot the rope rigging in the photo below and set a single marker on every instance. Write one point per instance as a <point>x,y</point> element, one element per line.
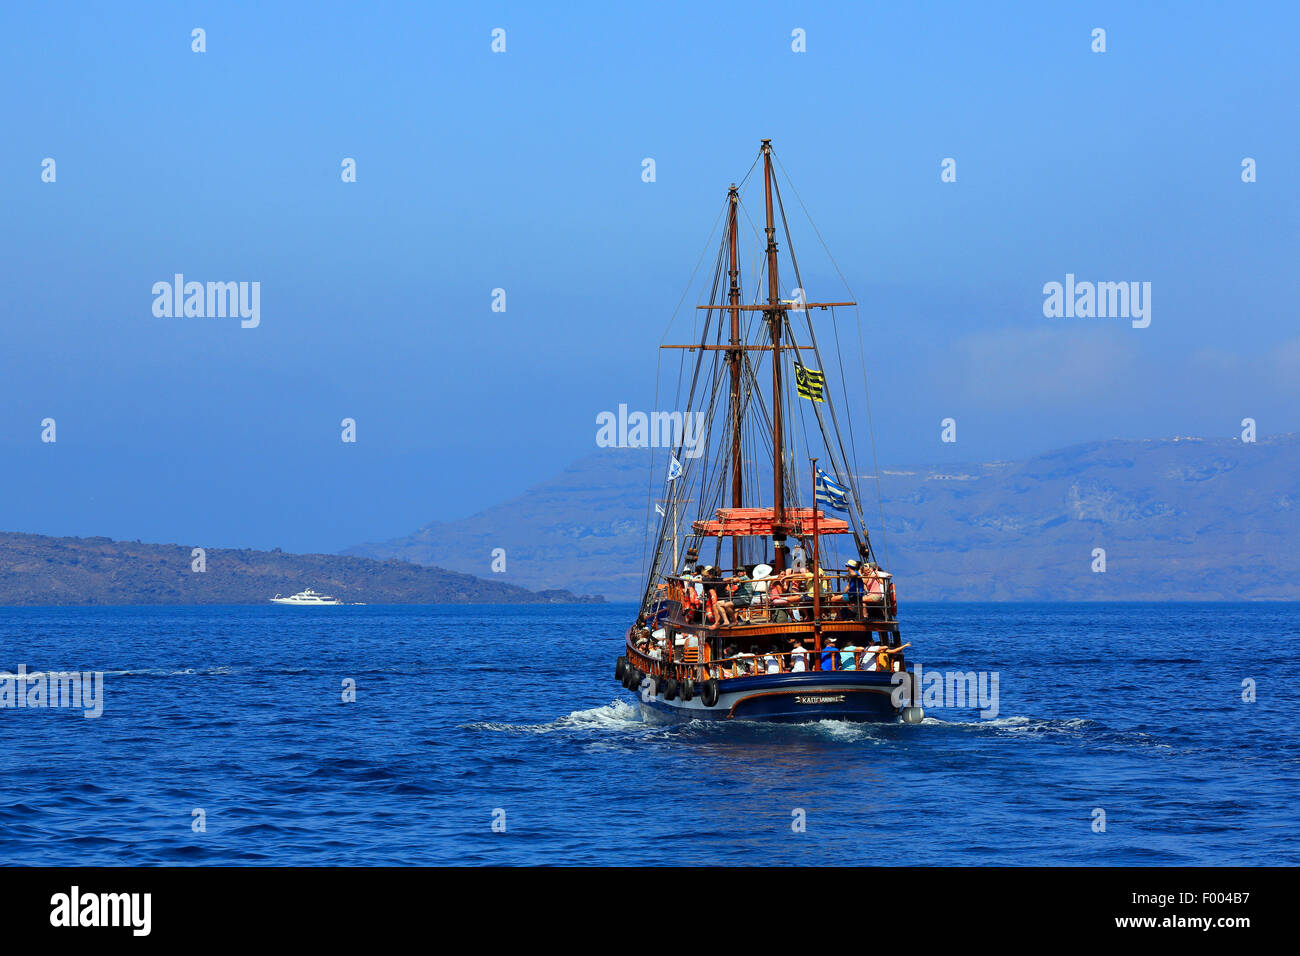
<point>706,469</point>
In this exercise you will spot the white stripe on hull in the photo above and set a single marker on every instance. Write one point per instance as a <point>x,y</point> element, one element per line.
<point>823,700</point>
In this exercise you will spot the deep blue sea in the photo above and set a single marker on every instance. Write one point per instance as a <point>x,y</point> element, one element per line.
<point>468,715</point>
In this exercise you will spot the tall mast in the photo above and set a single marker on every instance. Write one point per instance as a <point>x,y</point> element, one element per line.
<point>737,486</point>
<point>774,318</point>
<point>817,570</point>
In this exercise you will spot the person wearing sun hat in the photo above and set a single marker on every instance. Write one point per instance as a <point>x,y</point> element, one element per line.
<point>853,590</point>
<point>874,581</point>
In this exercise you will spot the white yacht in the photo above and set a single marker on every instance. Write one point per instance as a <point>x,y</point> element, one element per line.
<point>306,597</point>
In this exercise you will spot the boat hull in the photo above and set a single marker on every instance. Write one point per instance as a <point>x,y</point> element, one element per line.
<point>862,696</point>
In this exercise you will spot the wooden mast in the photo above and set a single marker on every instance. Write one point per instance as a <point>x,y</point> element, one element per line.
<point>817,571</point>
<point>774,313</point>
<point>775,316</point>
<point>737,484</point>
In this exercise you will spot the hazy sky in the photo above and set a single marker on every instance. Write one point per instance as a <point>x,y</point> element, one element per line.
<point>523,171</point>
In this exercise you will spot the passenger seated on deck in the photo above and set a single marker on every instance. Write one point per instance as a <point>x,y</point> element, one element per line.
<point>772,661</point>
<point>794,582</point>
<point>815,580</point>
<point>722,592</point>
<point>800,591</point>
<point>715,611</point>
<point>744,664</point>
<point>701,590</point>
<point>851,599</point>
<point>880,657</point>
<point>798,656</point>
<point>873,598</point>
<point>849,657</point>
<point>691,598</point>
<point>746,596</point>
<point>733,599</point>
<point>780,601</point>
<point>781,584</point>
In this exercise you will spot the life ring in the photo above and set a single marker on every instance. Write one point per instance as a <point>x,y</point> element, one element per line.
<point>670,688</point>
<point>709,693</point>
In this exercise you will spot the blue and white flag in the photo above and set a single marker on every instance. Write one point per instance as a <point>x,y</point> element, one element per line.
<point>660,510</point>
<point>674,469</point>
<point>831,493</point>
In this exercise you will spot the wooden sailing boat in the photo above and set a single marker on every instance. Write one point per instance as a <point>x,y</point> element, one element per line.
<point>780,634</point>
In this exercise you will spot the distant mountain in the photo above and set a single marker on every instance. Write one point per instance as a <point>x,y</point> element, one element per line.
<point>35,569</point>
<point>584,529</point>
<point>1179,519</point>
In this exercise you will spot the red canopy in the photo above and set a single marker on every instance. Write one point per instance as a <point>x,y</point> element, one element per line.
<point>757,522</point>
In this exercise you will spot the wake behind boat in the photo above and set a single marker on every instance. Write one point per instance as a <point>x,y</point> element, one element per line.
<point>782,634</point>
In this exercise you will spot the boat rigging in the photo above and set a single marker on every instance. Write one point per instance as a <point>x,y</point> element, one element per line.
<point>774,636</point>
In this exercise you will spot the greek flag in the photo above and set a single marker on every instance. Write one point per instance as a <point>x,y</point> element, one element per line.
<point>674,469</point>
<point>809,383</point>
<point>831,493</point>
<point>660,510</point>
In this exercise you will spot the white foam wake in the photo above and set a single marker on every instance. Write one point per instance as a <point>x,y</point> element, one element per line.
<point>1017,724</point>
<point>615,716</point>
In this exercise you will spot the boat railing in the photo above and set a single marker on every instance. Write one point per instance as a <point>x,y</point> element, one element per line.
<point>747,664</point>
<point>777,600</point>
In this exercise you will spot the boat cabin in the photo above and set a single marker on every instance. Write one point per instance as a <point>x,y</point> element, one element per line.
<point>712,623</point>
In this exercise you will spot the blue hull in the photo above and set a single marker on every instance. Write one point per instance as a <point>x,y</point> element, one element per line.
<point>863,696</point>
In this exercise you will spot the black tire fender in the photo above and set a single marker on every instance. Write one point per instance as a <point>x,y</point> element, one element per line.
<point>709,693</point>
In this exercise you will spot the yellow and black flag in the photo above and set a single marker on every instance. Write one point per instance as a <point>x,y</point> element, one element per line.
<point>809,382</point>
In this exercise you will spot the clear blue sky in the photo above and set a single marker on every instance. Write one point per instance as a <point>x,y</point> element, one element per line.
<point>523,171</point>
